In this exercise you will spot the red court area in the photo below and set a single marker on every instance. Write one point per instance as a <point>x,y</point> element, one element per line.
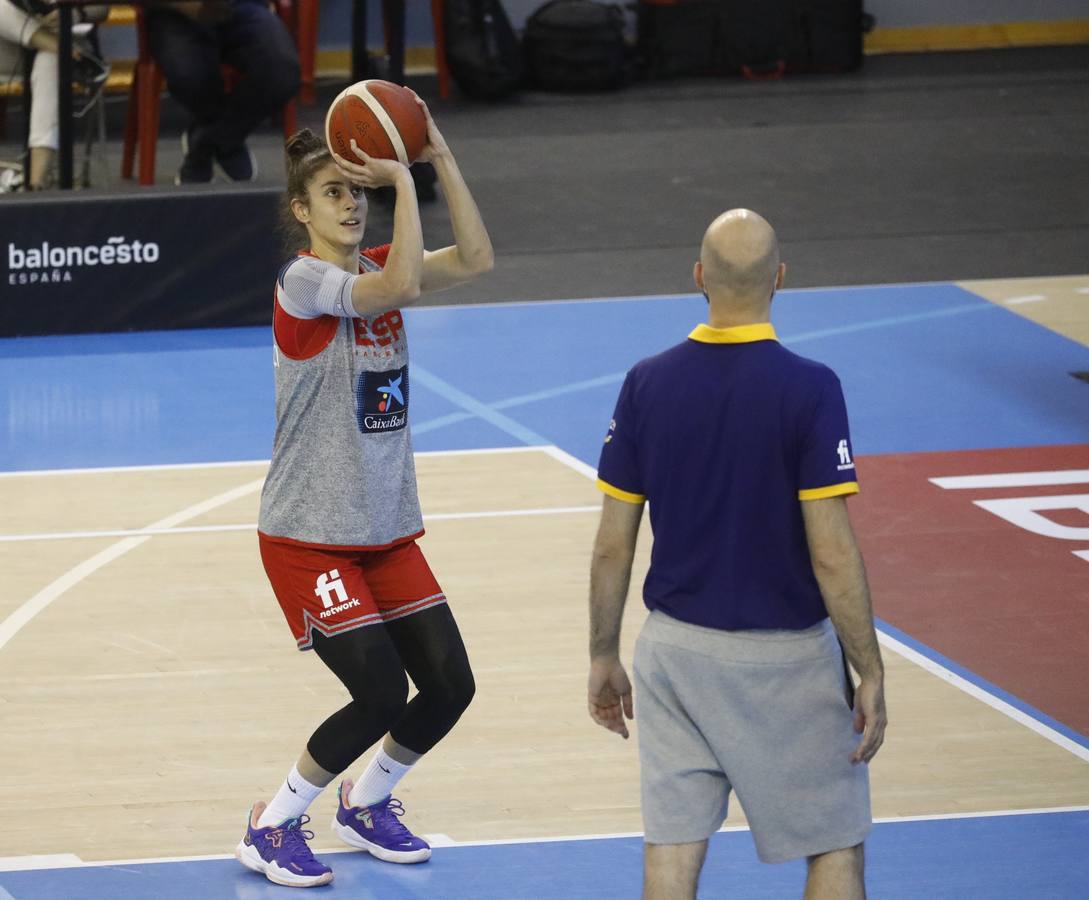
<point>999,590</point>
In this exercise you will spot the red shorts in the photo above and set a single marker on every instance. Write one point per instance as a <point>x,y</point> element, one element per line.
<point>333,591</point>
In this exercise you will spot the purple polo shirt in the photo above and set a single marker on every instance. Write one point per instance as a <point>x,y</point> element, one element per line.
<point>725,435</point>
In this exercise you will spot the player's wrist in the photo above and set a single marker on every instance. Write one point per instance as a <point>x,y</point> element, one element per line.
<point>403,178</point>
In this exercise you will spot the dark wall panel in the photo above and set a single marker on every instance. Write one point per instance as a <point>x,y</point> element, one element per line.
<point>152,260</point>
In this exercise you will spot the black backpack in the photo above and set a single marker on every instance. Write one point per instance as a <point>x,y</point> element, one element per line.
<point>576,45</point>
<point>482,50</point>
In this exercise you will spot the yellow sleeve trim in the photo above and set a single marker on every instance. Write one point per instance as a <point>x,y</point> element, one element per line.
<point>626,496</point>
<point>833,490</point>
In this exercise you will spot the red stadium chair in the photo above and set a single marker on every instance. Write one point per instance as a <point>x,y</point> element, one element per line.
<point>142,116</point>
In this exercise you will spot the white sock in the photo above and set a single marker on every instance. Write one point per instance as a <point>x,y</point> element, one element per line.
<point>292,800</point>
<point>378,780</point>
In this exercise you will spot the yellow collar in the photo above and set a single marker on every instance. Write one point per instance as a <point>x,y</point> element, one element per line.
<point>742,334</point>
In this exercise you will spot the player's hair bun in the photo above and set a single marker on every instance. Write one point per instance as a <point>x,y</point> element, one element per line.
<point>301,144</point>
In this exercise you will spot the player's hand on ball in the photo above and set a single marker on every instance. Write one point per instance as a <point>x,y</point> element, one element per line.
<point>436,143</point>
<point>371,172</point>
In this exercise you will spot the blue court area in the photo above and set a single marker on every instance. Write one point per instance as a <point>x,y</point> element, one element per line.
<point>924,367</point>
<point>987,858</point>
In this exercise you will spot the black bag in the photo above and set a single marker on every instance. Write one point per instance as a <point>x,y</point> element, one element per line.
<point>576,45</point>
<point>482,50</point>
<point>826,35</point>
<point>678,37</point>
<point>757,39</point>
<point>714,37</point>
<point>753,37</point>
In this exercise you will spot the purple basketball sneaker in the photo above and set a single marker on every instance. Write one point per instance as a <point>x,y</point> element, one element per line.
<point>378,829</point>
<point>280,852</point>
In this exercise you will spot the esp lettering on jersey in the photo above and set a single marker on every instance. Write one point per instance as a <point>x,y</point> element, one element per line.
<point>382,331</point>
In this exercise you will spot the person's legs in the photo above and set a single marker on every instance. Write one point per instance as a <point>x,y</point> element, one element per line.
<point>366,662</point>
<point>672,871</point>
<point>17,31</point>
<point>434,656</point>
<point>188,53</point>
<point>431,649</point>
<point>256,43</point>
<point>368,665</point>
<point>44,127</point>
<point>838,875</point>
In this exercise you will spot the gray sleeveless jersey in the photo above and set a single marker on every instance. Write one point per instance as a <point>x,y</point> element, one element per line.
<point>342,471</point>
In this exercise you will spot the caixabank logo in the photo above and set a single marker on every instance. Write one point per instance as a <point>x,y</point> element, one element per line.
<point>47,263</point>
<point>381,400</point>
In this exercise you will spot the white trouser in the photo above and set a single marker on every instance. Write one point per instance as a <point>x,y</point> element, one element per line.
<point>16,29</point>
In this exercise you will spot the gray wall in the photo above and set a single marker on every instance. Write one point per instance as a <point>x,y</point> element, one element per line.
<point>336,16</point>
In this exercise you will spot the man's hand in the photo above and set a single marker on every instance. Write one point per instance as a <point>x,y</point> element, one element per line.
<point>870,719</point>
<point>609,695</point>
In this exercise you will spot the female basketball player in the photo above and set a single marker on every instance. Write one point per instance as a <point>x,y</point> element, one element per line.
<point>339,513</point>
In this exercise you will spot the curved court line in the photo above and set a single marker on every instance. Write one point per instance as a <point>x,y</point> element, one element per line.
<point>474,407</point>
<point>41,600</point>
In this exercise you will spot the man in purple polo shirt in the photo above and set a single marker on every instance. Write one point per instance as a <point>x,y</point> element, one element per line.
<point>756,589</point>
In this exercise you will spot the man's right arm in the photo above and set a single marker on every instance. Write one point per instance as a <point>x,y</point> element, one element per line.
<point>841,574</point>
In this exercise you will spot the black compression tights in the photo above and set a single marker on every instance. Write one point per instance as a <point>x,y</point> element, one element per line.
<point>372,662</point>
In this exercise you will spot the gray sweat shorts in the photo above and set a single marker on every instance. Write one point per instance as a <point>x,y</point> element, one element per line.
<point>763,713</point>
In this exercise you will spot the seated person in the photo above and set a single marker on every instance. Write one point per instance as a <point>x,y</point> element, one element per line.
<point>21,30</point>
<point>190,42</point>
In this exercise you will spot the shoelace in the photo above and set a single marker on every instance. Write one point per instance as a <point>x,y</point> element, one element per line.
<point>295,837</point>
<point>389,815</point>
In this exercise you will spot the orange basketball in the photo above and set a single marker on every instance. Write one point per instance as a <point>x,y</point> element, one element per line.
<point>384,119</point>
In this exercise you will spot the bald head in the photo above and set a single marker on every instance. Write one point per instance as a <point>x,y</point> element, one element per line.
<point>739,262</point>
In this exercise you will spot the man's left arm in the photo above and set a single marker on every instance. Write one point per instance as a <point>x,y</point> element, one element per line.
<point>609,690</point>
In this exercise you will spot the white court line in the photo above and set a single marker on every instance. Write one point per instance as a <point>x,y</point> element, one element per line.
<point>572,462</point>
<point>914,656</point>
<point>121,532</point>
<point>67,860</point>
<point>1012,479</point>
<point>1028,298</point>
<point>485,451</point>
<point>39,861</point>
<point>167,467</point>
<point>163,467</point>
<point>22,615</point>
<point>974,690</point>
<point>989,814</point>
<point>41,600</point>
<point>252,526</point>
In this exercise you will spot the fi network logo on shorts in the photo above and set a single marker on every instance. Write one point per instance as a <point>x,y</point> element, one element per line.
<point>381,400</point>
<point>328,586</point>
<point>45,263</point>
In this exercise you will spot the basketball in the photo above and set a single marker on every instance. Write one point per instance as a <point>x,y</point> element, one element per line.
<point>384,118</point>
